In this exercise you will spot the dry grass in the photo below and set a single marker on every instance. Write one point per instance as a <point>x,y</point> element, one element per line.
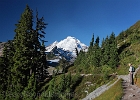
<point>137,78</point>
<point>137,82</point>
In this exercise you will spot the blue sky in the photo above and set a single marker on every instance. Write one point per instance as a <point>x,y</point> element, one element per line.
<point>77,18</point>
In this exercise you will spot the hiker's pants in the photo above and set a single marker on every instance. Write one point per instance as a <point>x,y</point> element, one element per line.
<point>131,78</point>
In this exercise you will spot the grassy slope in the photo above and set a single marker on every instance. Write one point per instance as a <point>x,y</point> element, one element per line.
<point>114,93</point>
<point>129,48</point>
<point>88,83</point>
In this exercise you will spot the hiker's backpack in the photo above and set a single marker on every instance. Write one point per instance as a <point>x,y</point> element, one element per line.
<point>133,69</point>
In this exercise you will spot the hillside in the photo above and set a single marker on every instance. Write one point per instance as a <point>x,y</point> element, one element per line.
<point>128,47</point>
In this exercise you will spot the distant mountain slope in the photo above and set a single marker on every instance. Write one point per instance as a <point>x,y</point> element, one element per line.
<point>51,47</point>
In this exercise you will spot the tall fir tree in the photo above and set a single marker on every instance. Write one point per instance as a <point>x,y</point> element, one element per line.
<point>96,53</point>
<point>39,53</point>
<point>109,51</point>
<point>29,56</point>
<point>105,51</point>
<point>102,52</point>
<point>22,56</point>
<point>113,61</point>
<point>92,41</point>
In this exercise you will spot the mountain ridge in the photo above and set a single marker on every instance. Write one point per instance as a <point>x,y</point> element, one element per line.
<point>128,43</point>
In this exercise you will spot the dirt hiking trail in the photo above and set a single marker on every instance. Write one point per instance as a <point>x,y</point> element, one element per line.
<point>130,92</point>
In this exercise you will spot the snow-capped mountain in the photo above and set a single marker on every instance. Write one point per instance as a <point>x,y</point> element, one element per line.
<point>67,47</point>
<point>68,44</point>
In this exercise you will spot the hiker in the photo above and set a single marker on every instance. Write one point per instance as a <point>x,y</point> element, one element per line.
<point>131,72</point>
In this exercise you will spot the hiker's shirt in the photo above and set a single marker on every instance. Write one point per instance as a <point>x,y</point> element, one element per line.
<point>131,70</point>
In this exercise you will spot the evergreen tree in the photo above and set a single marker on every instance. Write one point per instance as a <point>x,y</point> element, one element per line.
<point>92,41</point>
<point>105,51</point>
<point>63,64</point>
<point>68,82</point>
<point>91,46</point>
<point>62,84</point>
<point>79,63</point>
<point>102,52</point>
<point>76,50</point>
<point>29,57</point>
<point>39,53</point>
<point>22,56</point>
<point>68,86</point>
<point>43,63</point>
<point>109,51</point>
<point>50,93</point>
<point>113,62</point>
<point>3,78</point>
<point>29,92</point>
<point>96,53</point>
<point>6,63</point>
